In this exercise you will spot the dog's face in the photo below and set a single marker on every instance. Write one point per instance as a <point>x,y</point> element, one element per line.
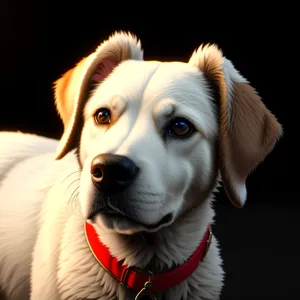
<point>162,118</point>
<point>152,136</point>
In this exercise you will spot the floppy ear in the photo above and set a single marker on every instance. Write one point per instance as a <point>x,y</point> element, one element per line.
<point>74,87</point>
<point>248,131</point>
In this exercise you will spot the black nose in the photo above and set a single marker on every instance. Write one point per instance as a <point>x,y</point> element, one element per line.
<point>111,173</point>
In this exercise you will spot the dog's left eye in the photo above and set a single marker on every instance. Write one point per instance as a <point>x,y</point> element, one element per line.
<point>180,127</point>
<point>102,116</point>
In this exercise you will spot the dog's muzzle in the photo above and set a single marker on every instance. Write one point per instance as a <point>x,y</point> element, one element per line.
<point>111,173</point>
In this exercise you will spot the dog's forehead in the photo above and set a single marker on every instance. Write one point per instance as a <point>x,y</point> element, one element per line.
<point>153,77</point>
<point>128,80</point>
<point>148,82</point>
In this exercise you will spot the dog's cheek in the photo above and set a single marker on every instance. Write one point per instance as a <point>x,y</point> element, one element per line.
<point>87,190</point>
<point>195,172</point>
<point>205,165</point>
<point>178,177</point>
<point>205,169</point>
<point>90,141</point>
<point>86,137</point>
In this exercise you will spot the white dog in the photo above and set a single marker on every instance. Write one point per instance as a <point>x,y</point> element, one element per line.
<point>120,207</point>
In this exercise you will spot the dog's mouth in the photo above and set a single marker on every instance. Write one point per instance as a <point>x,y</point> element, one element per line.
<point>113,216</point>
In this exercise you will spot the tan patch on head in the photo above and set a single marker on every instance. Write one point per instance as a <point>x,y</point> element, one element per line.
<point>73,89</point>
<point>208,58</point>
<point>65,91</point>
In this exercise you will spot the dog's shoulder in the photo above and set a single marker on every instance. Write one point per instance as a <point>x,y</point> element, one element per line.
<point>17,146</point>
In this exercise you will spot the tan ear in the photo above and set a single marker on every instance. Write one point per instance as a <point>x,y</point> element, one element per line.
<point>74,87</point>
<point>248,131</point>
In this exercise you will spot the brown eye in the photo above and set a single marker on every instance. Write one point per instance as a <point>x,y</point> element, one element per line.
<point>102,116</point>
<point>180,127</point>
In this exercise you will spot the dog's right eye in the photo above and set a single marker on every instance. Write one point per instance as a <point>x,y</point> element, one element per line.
<point>102,116</point>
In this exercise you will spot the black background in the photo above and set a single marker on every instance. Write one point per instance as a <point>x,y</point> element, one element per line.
<point>41,40</point>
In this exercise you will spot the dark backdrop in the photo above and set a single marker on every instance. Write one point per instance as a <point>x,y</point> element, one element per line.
<point>40,40</point>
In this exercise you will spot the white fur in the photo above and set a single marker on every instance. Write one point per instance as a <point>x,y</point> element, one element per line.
<point>63,265</point>
<point>44,202</point>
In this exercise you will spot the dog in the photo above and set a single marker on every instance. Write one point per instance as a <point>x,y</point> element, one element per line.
<point>121,206</point>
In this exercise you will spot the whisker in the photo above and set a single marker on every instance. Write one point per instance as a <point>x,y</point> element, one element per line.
<point>75,201</point>
<point>74,193</point>
<point>163,205</point>
<point>72,183</point>
<point>70,175</point>
<point>172,196</point>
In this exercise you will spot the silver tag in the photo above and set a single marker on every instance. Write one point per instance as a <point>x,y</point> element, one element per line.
<point>144,294</point>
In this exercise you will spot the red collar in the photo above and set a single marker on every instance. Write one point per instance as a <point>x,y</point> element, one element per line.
<point>135,278</point>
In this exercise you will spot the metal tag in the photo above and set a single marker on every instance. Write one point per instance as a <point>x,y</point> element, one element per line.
<point>144,294</point>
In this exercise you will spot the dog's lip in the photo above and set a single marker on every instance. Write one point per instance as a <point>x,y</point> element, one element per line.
<point>105,211</point>
<point>114,213</point>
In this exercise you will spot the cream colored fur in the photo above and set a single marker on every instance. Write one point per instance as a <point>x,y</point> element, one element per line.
<point>44,201</point>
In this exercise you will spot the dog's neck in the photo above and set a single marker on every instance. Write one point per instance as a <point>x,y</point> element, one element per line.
<point>162,250</point>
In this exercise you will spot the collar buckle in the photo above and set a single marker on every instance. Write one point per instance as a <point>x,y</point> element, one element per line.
<point>144,293</point>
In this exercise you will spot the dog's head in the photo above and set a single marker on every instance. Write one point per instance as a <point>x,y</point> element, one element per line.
<point>152,136</point>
